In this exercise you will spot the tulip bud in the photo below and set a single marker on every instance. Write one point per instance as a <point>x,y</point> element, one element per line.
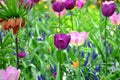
<point>22,54</point>
<point>58,6</point>
<point>61,41</point>
<point>69,4</point>
<point>108,8</point>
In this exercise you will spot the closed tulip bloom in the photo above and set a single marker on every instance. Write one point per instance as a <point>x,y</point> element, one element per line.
<point>58,6</point>
<point>115,18</point>
<point>62,13</point>
<point>108,8</point>
<point>80,3</point>
<point>61,41</point>
<point>69,4</point>
<point>22,54</point>
<point>11,73</point>
<point>77,38</point>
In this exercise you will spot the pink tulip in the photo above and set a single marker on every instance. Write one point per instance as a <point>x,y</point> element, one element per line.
<point>80,3</point>
<point>78,38</point>
<point>115,18</point>
<point>11,73</point>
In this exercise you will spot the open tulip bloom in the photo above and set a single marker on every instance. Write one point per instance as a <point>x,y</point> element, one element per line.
<point>11,73</point>
<point>78,38</point>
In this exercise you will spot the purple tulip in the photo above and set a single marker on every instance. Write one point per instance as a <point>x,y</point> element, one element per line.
<point>69,4</point>
<point>22,54</point>
<point>35,1</point>
<point>61,41</point>
<point>108,8</point>
<point>58,6</point>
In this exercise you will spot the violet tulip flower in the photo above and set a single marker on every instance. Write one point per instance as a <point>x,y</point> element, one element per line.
<point>11,73</point>
<point>80,3</point>
<point>108,8</point>
<point>62,13</point>
<point>58,6</point>
<point>22,54</point>
<point>115,18</point>
<point>78,38</point>
<point>61,41</point>
<point>69,4</point>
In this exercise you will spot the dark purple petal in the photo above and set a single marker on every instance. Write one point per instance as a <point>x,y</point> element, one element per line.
<point>58,6</point>
<point>69,4</point>
<point>108,9</point>
<point>61,41</point>
<point>35,1</point>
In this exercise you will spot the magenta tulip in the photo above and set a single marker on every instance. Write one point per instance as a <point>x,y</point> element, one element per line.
<point>61,41</point>
<point>62,13</point>
<point>108,8</point>
<point>78,38</point>
<point>69,4</point>
<point>115,18</point>
<point>11,73</point>
<point>22,54</point>
<point>58,6</point>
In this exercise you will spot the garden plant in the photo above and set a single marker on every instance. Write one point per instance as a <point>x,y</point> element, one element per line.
<point>59,39</point>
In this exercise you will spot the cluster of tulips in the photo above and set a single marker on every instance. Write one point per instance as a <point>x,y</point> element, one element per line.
<point>61,40</point>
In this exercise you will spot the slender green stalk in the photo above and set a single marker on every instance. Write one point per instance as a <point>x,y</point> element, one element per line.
<point>60,66</point>
<point>16,42</point>
<point>71,18</point>
<point>59,20</point>
<point>117,34</point>
<point>1,42</point>
<point>105,44</point>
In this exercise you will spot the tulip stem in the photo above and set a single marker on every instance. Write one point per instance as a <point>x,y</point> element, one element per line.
<point>71,18</point>
<point>117,41</point>
<point>105,44</point>
<point>60,66</point>
<point>59,20</point>
<point>1,42</point>
<point>16,42</point>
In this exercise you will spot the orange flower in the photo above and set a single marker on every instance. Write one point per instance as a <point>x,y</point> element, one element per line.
<point>11,23</point>
<point>17,22</point>
<point>15,30</point>
<point>4,25</point>
<point>76,64</point>
<point>23,23</point>
<point>1,20</point>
